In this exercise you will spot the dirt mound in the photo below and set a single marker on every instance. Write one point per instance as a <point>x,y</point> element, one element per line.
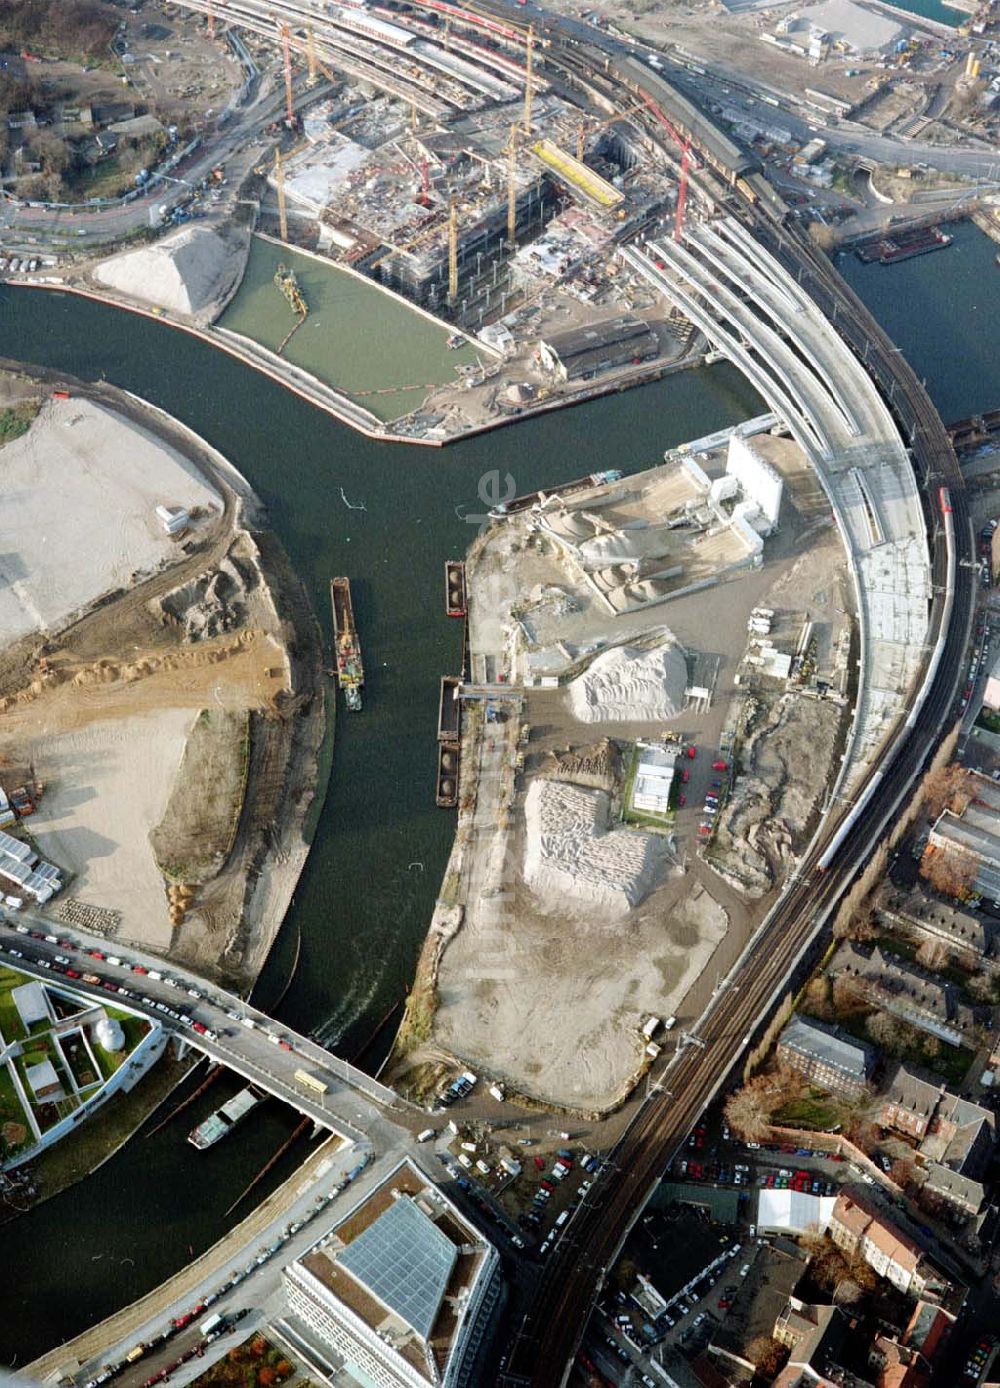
<point>571,856</point>
<point>184,273</point>
<point>631,686</point>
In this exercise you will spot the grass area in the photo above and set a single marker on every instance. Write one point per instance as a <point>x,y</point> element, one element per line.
<point>816,1114</point>
<point>135,1028</point>
<point>195,836</point>
<point>11,1112</point>
<point>989,721</point>
<point>15,420</point>
<point>11,1026</point>
<point>256,1363</point>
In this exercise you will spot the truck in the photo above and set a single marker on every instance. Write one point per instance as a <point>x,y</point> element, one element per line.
<point>650,1027</point>
<point>211,1323</point>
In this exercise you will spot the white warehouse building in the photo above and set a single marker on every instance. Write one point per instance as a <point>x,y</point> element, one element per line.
<point>758,480</point>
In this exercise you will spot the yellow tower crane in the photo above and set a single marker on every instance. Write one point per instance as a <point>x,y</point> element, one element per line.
<point>453,253</point>
<point>279,183</point>
<point>529,79</point>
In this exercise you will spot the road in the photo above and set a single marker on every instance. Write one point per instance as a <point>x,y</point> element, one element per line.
<point>225,1028</point>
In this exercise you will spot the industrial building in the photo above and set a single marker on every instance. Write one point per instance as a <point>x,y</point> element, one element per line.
<point>21,870</point>
<point>654,775</point>
<point>582,353</point>
<point>402,1291</point>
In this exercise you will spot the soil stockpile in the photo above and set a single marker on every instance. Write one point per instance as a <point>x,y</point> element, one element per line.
<point>186,272</point>
<point>631,686</point>
<point>570,855</point>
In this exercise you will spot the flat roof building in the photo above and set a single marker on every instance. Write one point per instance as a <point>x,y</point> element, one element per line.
<point>43,1081</point>
<point>654,774</point>
<point>580,353</point>
<point>31,1003</point>
<point>404,1290</point>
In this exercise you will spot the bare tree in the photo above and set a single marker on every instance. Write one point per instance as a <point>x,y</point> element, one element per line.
<point>948,872</point>
<point>932,954</point>
<point>947,788</point>
<point>768,1356</point>
<point>749,1110</point>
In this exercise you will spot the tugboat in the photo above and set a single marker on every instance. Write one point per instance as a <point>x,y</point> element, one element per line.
<point>347,648</point>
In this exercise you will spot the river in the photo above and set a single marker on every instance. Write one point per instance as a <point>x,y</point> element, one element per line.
<point>365,899</point>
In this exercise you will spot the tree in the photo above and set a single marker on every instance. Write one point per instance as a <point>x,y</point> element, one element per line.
<point>749,1110</point>
<point>849,997</point>
<point>860,925</point>
<point>903,1172</point>
<point>932,954</point>
<point>886,1030</point>
<point>948,872</point>
<point>947,788</point>
<point>768,1356</point>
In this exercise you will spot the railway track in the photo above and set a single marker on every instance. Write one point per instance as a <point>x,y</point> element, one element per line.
<point>547,1338</point>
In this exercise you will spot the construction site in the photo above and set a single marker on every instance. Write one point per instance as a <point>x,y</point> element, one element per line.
<point>675,643</point>
<point>146,682</point>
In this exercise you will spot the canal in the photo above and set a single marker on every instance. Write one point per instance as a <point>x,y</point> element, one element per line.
<point>366,896</point>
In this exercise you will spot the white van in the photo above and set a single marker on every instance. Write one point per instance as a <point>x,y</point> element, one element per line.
<point>426,1135</point>
<point>463,1160</point>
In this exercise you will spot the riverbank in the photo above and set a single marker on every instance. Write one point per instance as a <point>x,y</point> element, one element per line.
<point>221,621</point>
<point>346,411</point>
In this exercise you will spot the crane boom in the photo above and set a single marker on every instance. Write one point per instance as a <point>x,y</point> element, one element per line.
<point>286,50</point>
<point>685,147</point>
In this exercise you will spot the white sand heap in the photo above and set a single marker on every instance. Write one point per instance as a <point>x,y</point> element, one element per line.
<point>630,686</point>
<point>571,854</point>
<point>183,273</point>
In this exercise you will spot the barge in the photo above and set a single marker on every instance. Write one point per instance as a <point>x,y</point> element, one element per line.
<point>346,646</point>
<point>449,709</point>
<point>447,775</point>
<point>224,1119</point>
<point>903,245</point>
<point>542,498</point>
<point>454,588</point>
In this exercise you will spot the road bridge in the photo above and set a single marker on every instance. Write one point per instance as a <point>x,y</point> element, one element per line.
<point>222,1026</point>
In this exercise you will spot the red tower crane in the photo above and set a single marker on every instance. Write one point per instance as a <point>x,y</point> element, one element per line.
<point>685,148</point>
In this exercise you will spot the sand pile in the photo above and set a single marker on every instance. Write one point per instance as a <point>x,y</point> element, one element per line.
<point>570,857</point>
<point>631,686</point>
<point>183,273</point>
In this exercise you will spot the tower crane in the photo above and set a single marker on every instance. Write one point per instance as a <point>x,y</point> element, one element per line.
<point>686,163</point>
<point>581,129</point>
<point>529,79</point>
<point>286,50</point>
<point>211,20</point>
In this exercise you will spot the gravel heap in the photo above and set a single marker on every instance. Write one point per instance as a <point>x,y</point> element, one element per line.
<point>571,856</point>
<point>182,273</point>
<point>625,685</point>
